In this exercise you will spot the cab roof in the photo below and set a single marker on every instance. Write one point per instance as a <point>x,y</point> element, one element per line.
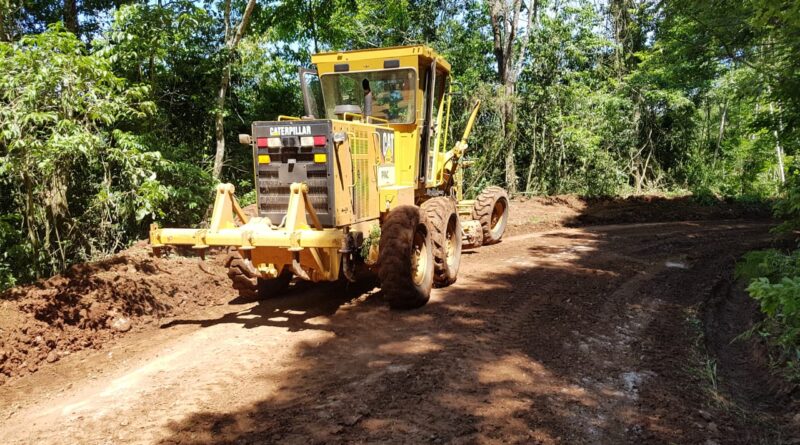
<point>378,58</point>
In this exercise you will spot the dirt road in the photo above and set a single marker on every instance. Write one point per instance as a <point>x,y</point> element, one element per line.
<point>585,335</point>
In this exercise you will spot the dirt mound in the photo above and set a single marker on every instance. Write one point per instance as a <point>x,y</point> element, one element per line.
<point>543,212</point>
<point>93,303</point>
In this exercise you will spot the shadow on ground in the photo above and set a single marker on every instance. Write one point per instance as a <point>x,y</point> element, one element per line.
<point>576,337</point>
<point>291,310</point>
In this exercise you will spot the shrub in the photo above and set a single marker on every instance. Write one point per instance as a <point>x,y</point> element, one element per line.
<point>75,184</point>
<point>775,284</point>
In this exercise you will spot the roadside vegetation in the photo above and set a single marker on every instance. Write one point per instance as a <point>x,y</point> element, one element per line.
<point>774,281</point>
<point>115,114</point>
<point>773,278</point>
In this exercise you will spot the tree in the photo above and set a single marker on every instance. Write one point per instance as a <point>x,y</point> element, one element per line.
<point>233,35</point>
<point>80,183</point>
<point>507,26</point>
<point>81,17</point>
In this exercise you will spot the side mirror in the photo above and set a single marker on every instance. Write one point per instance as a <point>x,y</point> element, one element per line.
<point>244,139</point>
<point>457,89</point>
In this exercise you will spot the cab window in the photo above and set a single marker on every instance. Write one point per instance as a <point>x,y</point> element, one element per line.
<point>393,93</point>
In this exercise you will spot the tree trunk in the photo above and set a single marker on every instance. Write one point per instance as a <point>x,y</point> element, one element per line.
<point>511,139</point>
<point>721,133</point>
<point>620,21</point>
<point>533,156</point>
<point>71,16</point>
<point>313,21</point>
<point>505,21</point>
<point>4,34</point>
<point>778,149</point>
<point>232,39</point>
<point>219,122</point>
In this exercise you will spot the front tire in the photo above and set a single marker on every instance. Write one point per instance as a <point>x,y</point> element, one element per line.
<point>491,210</point>
<point>445,230</point>
<point>405,258</point>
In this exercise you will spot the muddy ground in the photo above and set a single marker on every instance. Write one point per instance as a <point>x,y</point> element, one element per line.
<point>597,322</point>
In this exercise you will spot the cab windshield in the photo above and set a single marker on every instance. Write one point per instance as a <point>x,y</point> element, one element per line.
<point>393,93</point>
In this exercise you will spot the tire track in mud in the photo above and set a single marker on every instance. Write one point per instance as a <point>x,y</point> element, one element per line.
<point>620,372</point>
<point>566,336</point>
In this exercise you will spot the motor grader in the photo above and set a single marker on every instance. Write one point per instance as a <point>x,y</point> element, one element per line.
<point>364,181</point>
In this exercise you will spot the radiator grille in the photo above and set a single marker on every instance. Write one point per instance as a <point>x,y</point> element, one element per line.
<point>360,156</point>
<point>274,194</point>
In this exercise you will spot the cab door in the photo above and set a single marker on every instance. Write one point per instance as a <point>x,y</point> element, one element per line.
<point>435,84</point>
<point>312,94</point>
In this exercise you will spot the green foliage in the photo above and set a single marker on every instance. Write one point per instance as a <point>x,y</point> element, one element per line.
<point>775,283</point>
<point>788,207</point>
<point>78,182</point>
<point>172,49</point>
<point>780,301</point>
<point>612,98</point>
<point>373,239</point>
<point>770,264</point>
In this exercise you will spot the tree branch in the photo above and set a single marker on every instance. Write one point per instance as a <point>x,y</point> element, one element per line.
<point>248,10</point>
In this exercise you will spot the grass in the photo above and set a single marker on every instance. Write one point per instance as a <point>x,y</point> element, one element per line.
<point>703,365</point>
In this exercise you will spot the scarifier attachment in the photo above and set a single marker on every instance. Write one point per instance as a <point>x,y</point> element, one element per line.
<point>311,251</point>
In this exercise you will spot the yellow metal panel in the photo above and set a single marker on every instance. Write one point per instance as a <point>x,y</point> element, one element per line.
<point>281,259</point>
<point>391,197</point>
<point>249,235</point>
<point>373,58</point>
<point>365,157</point>
<point>263,159</point>
<point>320,158</point>
<point>406,152</point>
<point>342,180</point>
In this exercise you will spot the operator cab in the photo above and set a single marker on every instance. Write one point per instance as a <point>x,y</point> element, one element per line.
<point>399,87</point>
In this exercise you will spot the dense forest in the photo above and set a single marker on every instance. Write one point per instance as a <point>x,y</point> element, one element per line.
<point>116,113</point>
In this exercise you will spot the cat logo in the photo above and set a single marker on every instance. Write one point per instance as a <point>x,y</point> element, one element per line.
<point>290,131</point>
<point>387,145</point>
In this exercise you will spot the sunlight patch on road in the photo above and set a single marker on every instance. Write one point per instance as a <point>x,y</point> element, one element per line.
<point>124,383</point>
<point>414,345</point>
<point>676,265</point>
<point>321,320</point>
<point>508,390</point>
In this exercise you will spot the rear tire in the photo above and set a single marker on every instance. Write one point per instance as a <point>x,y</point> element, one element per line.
<point>445,232</point>
<point>491,210</point>
<point>405,258</point>
<point>248,282</point>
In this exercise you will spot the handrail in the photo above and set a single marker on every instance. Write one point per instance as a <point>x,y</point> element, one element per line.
<point>380,119</point>
<point>287,118</point>
<point>361,117</point>
<point>347,113</point>
<point>470,122</point>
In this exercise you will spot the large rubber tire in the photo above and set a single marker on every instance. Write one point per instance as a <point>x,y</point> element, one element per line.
<point>491,210</point>
<point>405,258</point>
<point>248,283</point>
<point>444,227</point>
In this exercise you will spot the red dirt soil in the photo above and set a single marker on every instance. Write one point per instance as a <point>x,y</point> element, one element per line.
<point>596,335</point>
<point>548,212</point>
<point>92,304</point>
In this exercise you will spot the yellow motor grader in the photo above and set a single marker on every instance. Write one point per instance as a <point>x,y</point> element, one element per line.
<point>363,181</point>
